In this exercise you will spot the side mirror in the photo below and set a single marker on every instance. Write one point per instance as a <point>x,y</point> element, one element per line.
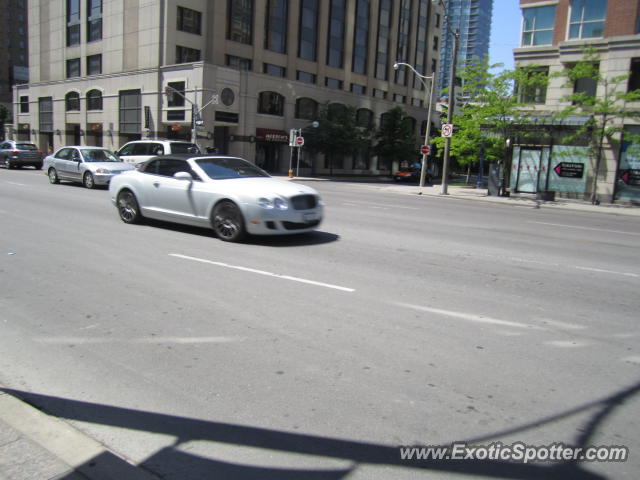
<point>183,176</point>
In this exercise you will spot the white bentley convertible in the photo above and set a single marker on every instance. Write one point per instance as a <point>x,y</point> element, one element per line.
<point>228,194</point>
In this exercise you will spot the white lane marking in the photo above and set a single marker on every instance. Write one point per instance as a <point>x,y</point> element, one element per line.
<point>262,272</point>
<point>18,184</point>
<point>567,343</point>
<point>599,270</point>
<point>470,317</point>
<point>143,340</point>
<point>587,228</point>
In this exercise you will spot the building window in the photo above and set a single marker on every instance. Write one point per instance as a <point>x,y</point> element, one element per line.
<point>306,108</point>
<point>586,86</point>
<point>377,93</point>
<point>239,62</point>
<point>402,49</point>
<point>72,102</point>
<point>417,102</point>
<point>306,77</point>
<point>73,68</point>
<point>94,20</point>
<point>176,115</point>
<point>130,109</point>
<point>94,100</point>
<point>240,26</point>
<point>187,55</point>
<point>420,61</point>
<point>358,89</point>
<point>335,47</point>
<point>399,98</point>
<point>364,118</point>
<point>537,25</point>
<point>384,31</point>
<point>437,20</point>
<point>45,114</point>
<point>535,90</point>
<point>24,104</point>
<point>434,65</point>
<point>275,29</point>
<point>361,37</point>
<point>189,21</point>
<point>274,70</point>
<point>73,22</point>
<point>94,64</point>
<point>271,103</point>
<point>333,83</point>
<point>175,94</point>
<point>587,18</point>
<point>308,25</point>
<point>436,40</point>
<point>634,76</point>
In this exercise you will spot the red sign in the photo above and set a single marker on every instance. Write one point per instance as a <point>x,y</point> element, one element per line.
<point>299,141</point>
<point>271,135</point>
<point>425,149</point>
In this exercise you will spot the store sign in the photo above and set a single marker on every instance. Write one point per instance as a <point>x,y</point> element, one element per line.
<point>569,170</point>
<point>270,135</point>
<point>631,177</point>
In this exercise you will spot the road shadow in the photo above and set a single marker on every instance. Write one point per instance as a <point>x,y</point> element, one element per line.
<point>316,237</point>
<point>172,463</point>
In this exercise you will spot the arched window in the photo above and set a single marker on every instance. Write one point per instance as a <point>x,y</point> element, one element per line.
<point>72,101</point>
<point>271,103</point>
<point>336,110</point>
<point>412,122</point>
<point>94,100</point>
<point>306,108</point>
<point>364,118</point>
<point>384,118</point>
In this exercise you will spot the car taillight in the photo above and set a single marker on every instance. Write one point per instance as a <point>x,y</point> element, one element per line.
<point>15,152</point>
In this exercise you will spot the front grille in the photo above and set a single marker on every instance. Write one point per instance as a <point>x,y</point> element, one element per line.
<point>304,202</point>
<point>299,226</point>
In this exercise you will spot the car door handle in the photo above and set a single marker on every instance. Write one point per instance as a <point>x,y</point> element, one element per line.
<point>156,184</point>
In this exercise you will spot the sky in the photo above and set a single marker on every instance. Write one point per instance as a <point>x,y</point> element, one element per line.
<point>505,31</point>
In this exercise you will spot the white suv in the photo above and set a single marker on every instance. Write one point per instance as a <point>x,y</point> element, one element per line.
<point>139,151</point>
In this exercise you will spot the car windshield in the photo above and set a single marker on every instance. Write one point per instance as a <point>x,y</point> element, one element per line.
<point>25,146</point>
<point>225,168</point>
<point>94,155</point>
<point>184,148</point>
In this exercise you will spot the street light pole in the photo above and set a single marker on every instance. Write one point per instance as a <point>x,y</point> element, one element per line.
<point>397,65</point>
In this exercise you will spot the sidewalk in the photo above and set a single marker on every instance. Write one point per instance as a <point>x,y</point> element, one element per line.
<point>476,194</point>
<point>36,446</point>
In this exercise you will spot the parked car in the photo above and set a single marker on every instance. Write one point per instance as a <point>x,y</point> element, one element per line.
<point>228,194</point>
<point>90,166</point>
<point>14,153</point>
<point>139,151</point>
<point>411,174</point>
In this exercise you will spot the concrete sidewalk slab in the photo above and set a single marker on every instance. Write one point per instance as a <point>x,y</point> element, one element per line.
<point>36,445</point>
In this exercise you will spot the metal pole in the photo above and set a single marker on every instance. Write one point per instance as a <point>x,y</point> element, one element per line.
<point>299,155</point>
<point>427,133</point>
<point>447,145</point>
<point>479,182</point>
<point>194,110</point>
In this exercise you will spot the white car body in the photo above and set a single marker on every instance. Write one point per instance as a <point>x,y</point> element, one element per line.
<point>268,206</point>
<point>83,164</point>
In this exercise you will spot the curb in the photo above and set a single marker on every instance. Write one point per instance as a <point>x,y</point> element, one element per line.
<point>69,445</point>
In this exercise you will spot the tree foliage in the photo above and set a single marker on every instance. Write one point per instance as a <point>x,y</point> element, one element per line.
<point>395,138</point>
<point>607,109</point>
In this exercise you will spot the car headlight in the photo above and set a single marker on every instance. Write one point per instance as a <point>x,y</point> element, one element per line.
<point>103,170</point>
<point>280,204</point>
<point>265,203</point>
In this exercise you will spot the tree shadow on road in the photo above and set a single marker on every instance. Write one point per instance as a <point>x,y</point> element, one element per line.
<point>171,462</point>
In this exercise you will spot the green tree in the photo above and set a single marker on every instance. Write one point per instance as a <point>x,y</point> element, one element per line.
<point>337,134</point>
<point>395,138</point>
<point>606,107</point>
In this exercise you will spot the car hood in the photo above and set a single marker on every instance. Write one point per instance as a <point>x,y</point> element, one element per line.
<point>115,166</point>
<point>263,187</point>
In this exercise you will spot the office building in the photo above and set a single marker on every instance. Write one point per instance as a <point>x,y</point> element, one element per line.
<point>100,70</point>
<point>14,54</point>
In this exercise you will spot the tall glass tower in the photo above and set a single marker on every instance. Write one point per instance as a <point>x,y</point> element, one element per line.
<point>472,18</point>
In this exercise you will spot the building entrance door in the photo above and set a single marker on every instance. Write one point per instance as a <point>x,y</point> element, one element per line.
<point>268,156</point>
<point>528,170</point>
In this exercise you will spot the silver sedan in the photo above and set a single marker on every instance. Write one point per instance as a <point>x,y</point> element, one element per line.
<point>228,194</point>
<point>90,166</point>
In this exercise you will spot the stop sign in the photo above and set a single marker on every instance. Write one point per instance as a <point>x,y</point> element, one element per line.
<point>425,149</point>
<point>299,141</point>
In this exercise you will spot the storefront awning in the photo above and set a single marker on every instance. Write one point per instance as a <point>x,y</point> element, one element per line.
<point>271,135</point>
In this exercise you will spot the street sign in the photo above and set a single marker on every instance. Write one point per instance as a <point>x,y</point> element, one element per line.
<point>569,169</point>
<point>447,129</point>
<point>299,141</point>
<point>425,149</point>
<point>630,177</point>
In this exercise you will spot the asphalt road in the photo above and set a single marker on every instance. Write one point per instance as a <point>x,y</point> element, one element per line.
<point>404,320</point>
